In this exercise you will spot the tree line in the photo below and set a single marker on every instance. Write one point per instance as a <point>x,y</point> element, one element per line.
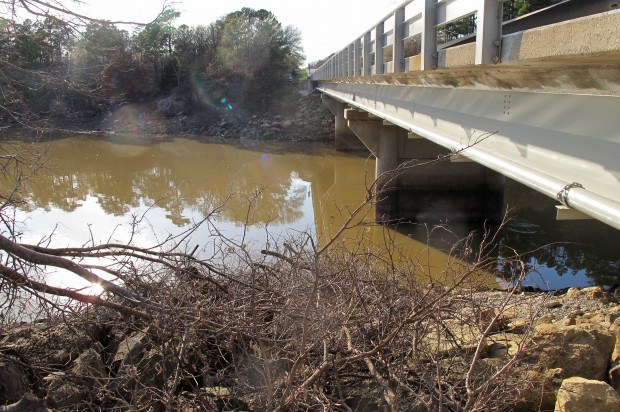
<point>53,68</point>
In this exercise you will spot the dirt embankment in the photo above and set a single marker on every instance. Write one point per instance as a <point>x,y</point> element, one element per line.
<point>301,118</point>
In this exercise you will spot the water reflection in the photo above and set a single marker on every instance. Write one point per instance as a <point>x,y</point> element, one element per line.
<point>567,253</point>
<point>558,254</point>
<point>177,176</point>
<point>94,187</point>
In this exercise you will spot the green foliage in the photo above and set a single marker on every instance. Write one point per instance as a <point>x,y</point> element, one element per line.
<point>255,47</point>
<point>195,48</point>
<point>517,8</point>
<point>303,75</point>
<point>245,57</point>
<point>456,29</point>
<point>33,60</point>
<point>467,25</point>
<point>101,43</point>
<point>155,40</point>
<point>38,44</point>
<point>101,61</point>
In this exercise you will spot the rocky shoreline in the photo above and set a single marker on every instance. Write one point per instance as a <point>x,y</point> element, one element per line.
<point>305,119</point>
<point>570,343</point>
<point>574,363</point>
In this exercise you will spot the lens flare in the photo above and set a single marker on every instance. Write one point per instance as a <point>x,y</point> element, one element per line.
<point>208,97</point>
<point>132,120</point>
<point>95,289</point>
<point>225,104</point>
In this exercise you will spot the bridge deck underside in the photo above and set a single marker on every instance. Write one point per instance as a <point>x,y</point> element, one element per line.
<point>546,141</point>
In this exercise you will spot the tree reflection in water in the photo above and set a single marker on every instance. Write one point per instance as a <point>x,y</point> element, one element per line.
<point>304,187</point>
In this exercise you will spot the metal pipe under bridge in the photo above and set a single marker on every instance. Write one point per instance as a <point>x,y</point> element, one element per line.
<point>535,99</point>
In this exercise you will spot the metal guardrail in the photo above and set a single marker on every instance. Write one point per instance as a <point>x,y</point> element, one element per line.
<point>407,38</point>
<point>381,49</point>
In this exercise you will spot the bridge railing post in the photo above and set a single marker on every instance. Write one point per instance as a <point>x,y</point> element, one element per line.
<point>366,66</point>
<point>347,56</point>
<point>357,62</point>
<point>379,61</point>
<point>336,65</point>
<point>488,31</point>
<point>398,44</point>
<point>352,71</point>
<point>428,54</point>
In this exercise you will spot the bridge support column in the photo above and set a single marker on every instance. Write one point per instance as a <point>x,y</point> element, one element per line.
<point>427,190</point>
<point>345,139</point>
<point>386,208</point>
<point>383,142</point>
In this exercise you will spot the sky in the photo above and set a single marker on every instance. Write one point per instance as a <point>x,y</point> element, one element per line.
<point>326,25</point>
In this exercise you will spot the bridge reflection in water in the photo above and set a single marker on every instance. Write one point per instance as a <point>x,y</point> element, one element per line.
<point>96,186</point>
<point>339,192</point>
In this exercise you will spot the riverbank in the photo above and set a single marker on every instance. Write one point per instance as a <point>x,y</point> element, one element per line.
<point>559,353</point>
<point>303,119</point>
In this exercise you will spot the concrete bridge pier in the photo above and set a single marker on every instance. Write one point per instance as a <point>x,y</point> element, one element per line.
<point>345,139</point>
<point>412,185</point>
<point>382,141</point>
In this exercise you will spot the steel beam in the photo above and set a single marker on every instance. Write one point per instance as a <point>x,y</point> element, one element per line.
<point>546,141</point>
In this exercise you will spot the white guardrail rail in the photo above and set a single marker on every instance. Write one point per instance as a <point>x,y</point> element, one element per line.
<point>414,25</point>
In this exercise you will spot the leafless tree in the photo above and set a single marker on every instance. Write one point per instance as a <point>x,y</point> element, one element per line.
<point>303,324</point>
<point>34,91</point>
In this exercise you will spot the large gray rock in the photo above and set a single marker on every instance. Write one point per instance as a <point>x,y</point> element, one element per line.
<point>583,395</point>
<point>592,293</point>
<point>564,351</point>
<point>130,350</point>
<point>89,367</point>
<point>62,392</point>
<point>541,394</point>
<point>171,106</point>
<point>66,390</point>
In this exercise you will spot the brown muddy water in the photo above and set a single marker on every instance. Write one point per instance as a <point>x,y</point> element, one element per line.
<point>261,193</point>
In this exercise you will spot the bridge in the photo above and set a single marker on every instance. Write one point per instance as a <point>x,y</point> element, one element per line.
<point>534,98</point>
